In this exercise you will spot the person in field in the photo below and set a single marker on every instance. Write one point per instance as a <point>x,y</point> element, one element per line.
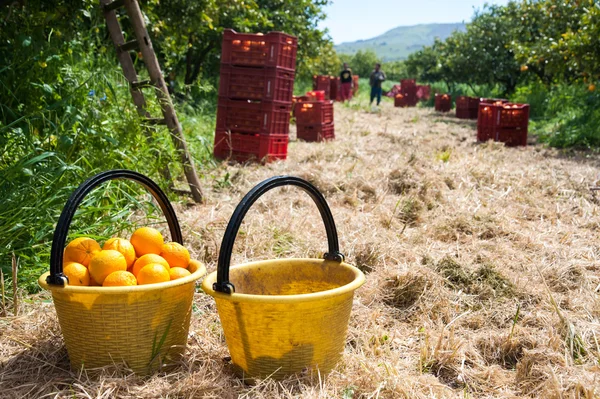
<point>377,77</point>
<point>346,83</point>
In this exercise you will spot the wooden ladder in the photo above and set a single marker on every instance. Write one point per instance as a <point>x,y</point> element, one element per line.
<point>144,45</point>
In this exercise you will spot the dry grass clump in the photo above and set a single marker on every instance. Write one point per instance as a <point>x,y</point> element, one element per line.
<point>486,282</point>
<point>534,370</point>
<point>367,257</point>
<point>403,291</point>
<point>505,350</point>
<point>442,358</point>
<point>402,181</point>
<point>483,227</point>
<point>564,279</point>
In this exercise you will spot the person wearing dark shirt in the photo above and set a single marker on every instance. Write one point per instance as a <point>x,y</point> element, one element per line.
<point>377,77</point>
<point>346,83</point>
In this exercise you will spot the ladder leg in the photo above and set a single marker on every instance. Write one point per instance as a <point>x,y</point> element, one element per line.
<point>157,79</point>
<point>116,35</point>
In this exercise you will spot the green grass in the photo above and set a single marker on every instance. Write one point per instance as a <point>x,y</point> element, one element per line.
<point>84,123</point>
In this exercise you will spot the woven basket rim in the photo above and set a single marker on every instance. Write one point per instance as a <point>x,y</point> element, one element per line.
<point>73,289</point>
<point>359,279</point>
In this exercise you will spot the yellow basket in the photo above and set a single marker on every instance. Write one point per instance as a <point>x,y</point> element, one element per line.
<point>145,327</point>
<point>283,316</point>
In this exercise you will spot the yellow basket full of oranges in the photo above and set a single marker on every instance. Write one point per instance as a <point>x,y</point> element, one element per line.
<point>127,301</point>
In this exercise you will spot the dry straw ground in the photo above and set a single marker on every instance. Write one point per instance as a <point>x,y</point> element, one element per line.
<point>482,262</point>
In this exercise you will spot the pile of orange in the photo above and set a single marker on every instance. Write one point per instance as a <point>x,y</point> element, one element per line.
<point>143,259</point>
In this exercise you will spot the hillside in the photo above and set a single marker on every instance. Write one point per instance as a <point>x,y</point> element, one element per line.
<point>398,43</point>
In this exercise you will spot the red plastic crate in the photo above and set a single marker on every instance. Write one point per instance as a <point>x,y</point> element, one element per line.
<point>400,101</point>
<point>335,91</point>
<point>406,83</point>
<point>266,117</point>
<point>315,95</point>
<point>298,99</point>
<point>443,102</point>
<point>410,94</point>
<point>270,84</point>
<point>462,102</point>
<point>507,123</point>
<point>314,81</point>
<point>493,100</point>
<point>463,113</point>
<point>250,147</point>
<point>512,137</point>
<point>318,132</point>
<point>513,115</point>
<point>324,84</point>
<point>314,112</point>
<point>467,107</point>
<point>423,92</point>
<point>275,49</point>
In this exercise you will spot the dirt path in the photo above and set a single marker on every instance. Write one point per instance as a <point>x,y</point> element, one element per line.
<point>464,245</point>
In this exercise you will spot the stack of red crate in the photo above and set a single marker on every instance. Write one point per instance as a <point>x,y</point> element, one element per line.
<point>314,120</point>
<point>323,83</point>
<point>255,96</point>
<point>409,91</point>
<point>400,101</point>
<point>467,107</point>
<point>335,88</point>
<point>443,102</point>
<point>504,122</point>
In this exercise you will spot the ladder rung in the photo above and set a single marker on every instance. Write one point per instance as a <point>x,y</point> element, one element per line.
<point>139,84</point>
<point>114,5</point>
<point>132,45</point>
<point>156,121</point>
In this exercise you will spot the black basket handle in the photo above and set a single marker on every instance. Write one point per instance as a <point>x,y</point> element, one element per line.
<point>223,284</point>
<point>56,276</point>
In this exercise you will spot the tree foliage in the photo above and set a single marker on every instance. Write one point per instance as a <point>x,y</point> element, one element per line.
<point>553,40</point>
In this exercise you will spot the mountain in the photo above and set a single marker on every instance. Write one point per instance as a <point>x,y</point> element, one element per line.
<point>398,43</point>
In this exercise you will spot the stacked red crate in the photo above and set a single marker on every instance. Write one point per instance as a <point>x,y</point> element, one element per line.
<point>504,122</point>
<point>335,89</point>
<point>400,101</point>
<point>409,91</point>
<point>443,102</point>
<point>467,107</point>
<point>324,84</point>
<point>255,96</point>
<point>314,120</point>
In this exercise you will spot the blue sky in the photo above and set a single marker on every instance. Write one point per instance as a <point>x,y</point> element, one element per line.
<point>350,20</point>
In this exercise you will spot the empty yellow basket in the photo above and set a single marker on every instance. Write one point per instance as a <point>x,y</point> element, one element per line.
<point>282,317</point>
<point>145,327</point>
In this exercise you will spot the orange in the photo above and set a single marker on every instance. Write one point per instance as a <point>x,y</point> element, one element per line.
<point>119,279</point>
<point>147,240</point>
<point>176,254</point>
<point>194,266</point>
<point>123,246</point>
<point>592,87</point>
<point>81,250</point>
<point>77,273</point>
<point>105,262</point>
<point>178,272</point>
<point>146,260</point>
<point>153,273</point>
